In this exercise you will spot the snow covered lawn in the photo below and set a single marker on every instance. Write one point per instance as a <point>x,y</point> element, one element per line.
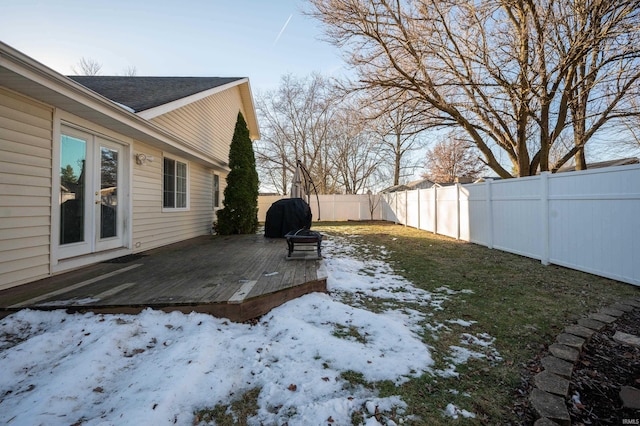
<point>158,368</point>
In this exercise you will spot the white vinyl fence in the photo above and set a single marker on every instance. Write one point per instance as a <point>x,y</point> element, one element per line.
<point>587,220</point>
<point>333,207</point>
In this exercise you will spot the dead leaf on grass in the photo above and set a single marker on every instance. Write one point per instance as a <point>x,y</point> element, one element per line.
<point>292,387</point>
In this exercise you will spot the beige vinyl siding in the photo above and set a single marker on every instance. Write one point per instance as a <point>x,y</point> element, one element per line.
<point>155,227</point>
<point>208,124</point>
<point>25,189</point>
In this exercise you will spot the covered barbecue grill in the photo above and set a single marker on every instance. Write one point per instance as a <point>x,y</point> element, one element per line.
<point>291,218</point>
<point>286,215</point>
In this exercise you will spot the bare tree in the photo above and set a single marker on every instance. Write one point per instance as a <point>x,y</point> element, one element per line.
<point>309,119</point>
<point>355,153</point>
<point>87,66</point>
<point>631,143</point>
<point>397,122</point>
<point>296,121</point>
<point>130,71</point>
<point>600,39</point>
<point>513,74</point>
<point>374,202</point>
<point>452,158</point>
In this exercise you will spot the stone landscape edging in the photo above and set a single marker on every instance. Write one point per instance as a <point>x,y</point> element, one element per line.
<point>551,386</point>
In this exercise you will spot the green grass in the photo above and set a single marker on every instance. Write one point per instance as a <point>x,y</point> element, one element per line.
<point>350,332</point>
<point>518,301</point>
<point>236,414</point>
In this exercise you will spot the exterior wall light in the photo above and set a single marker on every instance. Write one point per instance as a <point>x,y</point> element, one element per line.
<point>141,158</point>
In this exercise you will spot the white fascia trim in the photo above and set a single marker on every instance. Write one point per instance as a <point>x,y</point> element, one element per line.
<point>150,113</point>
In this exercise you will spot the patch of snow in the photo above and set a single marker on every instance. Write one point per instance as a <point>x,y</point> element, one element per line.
<point>158,368</point>
<point>447,290</point>
<point>460,355</point>
<point>377,280</point>
<point>483,339</point>
<point>455,412</point>
<point>461,322</point>
<point>448,372</point>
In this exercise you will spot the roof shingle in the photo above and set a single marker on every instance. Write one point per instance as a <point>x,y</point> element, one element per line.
<point>142,93</point>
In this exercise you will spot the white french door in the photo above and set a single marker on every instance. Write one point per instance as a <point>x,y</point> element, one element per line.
<point>92,201</point>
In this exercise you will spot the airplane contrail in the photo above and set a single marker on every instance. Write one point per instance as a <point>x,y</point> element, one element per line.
<point>282,30</point>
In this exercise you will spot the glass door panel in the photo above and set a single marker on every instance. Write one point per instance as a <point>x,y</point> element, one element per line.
<point>108,192</point>
<point>109,212</point>
<point>73,158</point>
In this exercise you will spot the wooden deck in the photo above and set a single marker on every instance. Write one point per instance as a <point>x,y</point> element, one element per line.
<point>239,277</point>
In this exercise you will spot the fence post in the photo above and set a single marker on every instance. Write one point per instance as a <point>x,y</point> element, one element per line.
<point>489,195</point>
<point>544,202</point>
<point>418,208</point>
<point>435,209</point>
<point>406,207</point>
<point>457,211</point>
<point>397,217</point>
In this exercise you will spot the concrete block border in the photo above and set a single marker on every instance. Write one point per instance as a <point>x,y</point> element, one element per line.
<point>551,385</point>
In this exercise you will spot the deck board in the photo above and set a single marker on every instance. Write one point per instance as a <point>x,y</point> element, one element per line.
<point>201,274</point>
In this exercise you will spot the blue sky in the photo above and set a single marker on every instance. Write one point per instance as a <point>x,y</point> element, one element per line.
<point>227,38</point>
<point>259,39</point>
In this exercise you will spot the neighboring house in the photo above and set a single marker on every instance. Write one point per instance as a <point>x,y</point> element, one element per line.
<point>94,168</point>
<point>601,164</point>
<point>395,188</point>
<point>416,184</point>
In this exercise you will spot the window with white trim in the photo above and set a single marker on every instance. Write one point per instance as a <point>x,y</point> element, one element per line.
<point>174,188</point>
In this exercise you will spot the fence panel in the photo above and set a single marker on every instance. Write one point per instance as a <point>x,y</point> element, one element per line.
<point>478,219</point>
<point>342,207</point>
<point>517,216</point>
<point>447,211</point>
<point>264,202</point>
<point>464,232</point>
<point>594,222</point>
<point>401,207</point>
<point>427,209</point>
<point>413,213</point>
<point>388,207</point>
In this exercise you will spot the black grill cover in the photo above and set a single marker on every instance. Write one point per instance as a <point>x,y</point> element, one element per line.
<point>288,214</point>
